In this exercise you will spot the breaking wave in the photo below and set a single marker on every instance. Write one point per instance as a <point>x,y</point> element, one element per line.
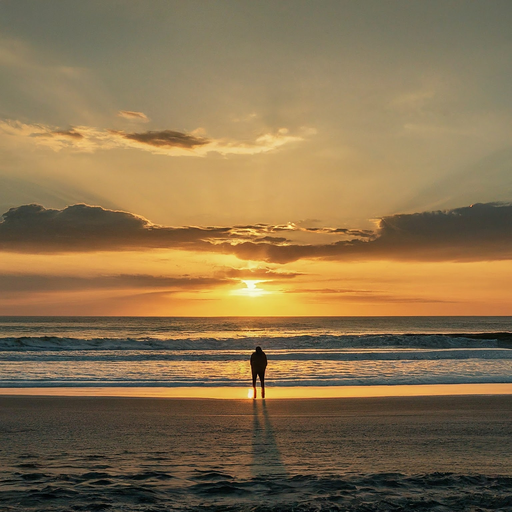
<point>417,341</point>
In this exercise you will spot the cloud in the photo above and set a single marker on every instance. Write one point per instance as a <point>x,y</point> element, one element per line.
<point>330,291</point>
<point>363,233</point>
<point>163,142</point>
<point>292,227</point>
<point>30,283</point>
<point>360,296</point>
<point>83,228</point>
<point>133,116</point>
<point>474,233</point>
<point>43,283</point>
<point>260,273</point>
<point>17,284</point>
<point>72,133</point>
<point>165,138</point>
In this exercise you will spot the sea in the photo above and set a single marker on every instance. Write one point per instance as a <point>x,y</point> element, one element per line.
<point>205,352</point>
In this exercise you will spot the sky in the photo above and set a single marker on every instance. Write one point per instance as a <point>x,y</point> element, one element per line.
<point>194,158</point>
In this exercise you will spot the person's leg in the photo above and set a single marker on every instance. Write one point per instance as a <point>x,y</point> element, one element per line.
<point>262,380</point>
<point>254,375</point>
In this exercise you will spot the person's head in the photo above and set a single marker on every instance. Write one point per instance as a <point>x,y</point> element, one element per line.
<point>258,350</point>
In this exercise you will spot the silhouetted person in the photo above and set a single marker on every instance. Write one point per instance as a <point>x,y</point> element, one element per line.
<point>258,365</point>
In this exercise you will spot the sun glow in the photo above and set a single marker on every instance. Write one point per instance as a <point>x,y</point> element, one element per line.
<point>251,289</point>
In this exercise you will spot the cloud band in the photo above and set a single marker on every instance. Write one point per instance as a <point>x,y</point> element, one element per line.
<point>473,233</point>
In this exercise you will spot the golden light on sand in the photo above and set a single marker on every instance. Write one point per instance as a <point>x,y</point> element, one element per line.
<point>250,393</point>
<point>239,393</point>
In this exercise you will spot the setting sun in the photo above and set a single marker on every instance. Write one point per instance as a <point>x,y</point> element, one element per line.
<point>251,289</point>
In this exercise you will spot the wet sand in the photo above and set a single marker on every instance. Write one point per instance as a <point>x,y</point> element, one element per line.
<point>394,453</point>
<point>238,393</point>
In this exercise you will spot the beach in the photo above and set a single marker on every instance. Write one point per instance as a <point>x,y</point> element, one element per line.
<point>360,453</point>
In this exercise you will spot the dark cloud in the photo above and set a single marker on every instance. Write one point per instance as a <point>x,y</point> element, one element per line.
<point>20,283</point>
<point>132,115</point>
<point>258,273</point>
<point>14,285</point>
<point>336,291</point>
<point>362,233</point>
<point>72,133</point>
<point>39,283</point>
<point>474,233</point>
<point>83,228</point>
<point>165,139</point>
<point>361,296</point>
<point>271,239</point>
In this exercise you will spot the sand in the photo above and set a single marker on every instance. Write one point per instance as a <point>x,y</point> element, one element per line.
<point>239,393</point>
<point>394,453</point>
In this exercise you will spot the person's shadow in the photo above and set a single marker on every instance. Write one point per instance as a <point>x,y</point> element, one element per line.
<point>266,459</point>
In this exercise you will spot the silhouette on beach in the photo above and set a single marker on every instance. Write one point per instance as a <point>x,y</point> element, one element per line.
<point>258,366</point>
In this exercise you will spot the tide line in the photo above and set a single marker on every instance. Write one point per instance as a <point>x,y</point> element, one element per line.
<point>237,393</point>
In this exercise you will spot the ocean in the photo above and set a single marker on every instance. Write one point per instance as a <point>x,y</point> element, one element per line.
<point>206,352</point>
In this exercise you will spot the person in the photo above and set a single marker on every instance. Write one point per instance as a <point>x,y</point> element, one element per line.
<point>258,366</point>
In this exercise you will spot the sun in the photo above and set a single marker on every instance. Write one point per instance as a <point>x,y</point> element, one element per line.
<point>251,289</point>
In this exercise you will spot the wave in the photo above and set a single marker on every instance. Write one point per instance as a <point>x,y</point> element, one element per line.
<point>276,355</point>
<point>304,383</point>
<point>412,341</point>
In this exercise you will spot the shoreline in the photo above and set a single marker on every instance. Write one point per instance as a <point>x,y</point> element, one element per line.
<point>240,393</point>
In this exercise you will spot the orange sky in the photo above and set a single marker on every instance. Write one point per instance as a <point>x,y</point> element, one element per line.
<point>241,158</point>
